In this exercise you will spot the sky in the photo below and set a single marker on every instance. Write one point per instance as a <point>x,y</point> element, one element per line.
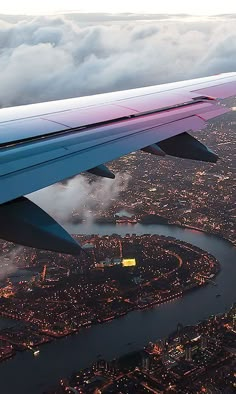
<point>199,7</point>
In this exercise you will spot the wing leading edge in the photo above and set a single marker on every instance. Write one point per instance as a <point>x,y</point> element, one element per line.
<point>45,143</point>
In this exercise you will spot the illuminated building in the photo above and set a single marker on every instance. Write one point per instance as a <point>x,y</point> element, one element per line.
<point>44,273</point>
<point>234,323</point>
<point>7,291</point>
<point>108,263</point>
<point>158,347</point>
<point>99,265</point>
<point>188,353</point>
<point>120,247</point>
<point>145,362</point>
<point>128,262</point>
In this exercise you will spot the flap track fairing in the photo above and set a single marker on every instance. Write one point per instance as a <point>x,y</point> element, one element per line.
<point>187,147</point>
<point>26,224</point>
<point>154,149</point>
<point>102,171</point>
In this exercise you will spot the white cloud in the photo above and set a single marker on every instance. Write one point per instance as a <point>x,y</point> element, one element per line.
<point>49,58</point>
<point>80,196</point>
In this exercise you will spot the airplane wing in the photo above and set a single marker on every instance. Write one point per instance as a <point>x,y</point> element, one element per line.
<point>45,143</point>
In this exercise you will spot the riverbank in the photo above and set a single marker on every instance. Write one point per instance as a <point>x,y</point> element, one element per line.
<point>145,220</point>
<point>205,232</point>
<point>150,288</point>
<point>132,331</point>
<point>181,356</point>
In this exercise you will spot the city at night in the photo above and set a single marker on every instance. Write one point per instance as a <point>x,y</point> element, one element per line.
<point>117,197</point>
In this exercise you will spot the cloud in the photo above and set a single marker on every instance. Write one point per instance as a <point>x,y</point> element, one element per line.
<point>8,261</point>
<point>48,58</point>
<point>80,195</point>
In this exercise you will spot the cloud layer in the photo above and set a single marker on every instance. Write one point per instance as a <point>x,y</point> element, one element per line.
<point>79,195</point>
<point>48,58</point>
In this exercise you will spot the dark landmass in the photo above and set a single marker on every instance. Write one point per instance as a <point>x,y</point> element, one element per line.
<point>153,219</point>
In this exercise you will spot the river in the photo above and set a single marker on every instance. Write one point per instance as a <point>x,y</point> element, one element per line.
<point>27,374</point>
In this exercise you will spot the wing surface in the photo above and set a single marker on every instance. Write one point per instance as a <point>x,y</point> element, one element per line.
<point>45,143</point>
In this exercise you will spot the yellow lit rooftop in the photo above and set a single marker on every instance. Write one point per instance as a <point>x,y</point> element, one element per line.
<point>128,262</point>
